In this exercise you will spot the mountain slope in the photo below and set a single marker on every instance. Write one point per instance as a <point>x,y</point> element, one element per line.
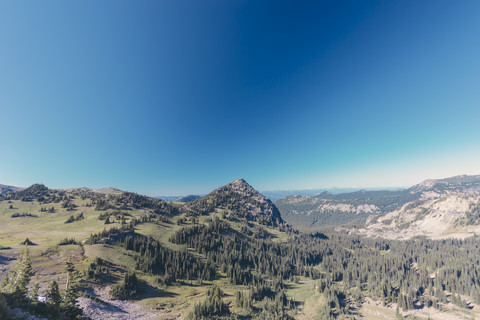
<point>168,245</point>
<point>4,189</point>
<point>189,198</point>
<point>445,208</point>
<point>240,201</point>
<point>449,215</point>
<point>327,209</point>
<point>434,207</point>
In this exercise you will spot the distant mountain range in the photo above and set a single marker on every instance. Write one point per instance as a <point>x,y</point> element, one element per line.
<point>188,198</point>
<point>274,195</point>
<point>278,194</point>
<point>431,208</point>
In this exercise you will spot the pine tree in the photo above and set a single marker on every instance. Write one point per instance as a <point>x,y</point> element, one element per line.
<point>69,303</point>
<point>53,294</point>
<point>18,278</point>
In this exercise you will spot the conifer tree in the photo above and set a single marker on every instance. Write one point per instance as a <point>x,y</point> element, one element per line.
<point>69,303</point>
<point>18,278</point>
<point>53,294</point>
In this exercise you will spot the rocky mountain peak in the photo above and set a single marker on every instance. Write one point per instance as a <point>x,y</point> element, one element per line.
<point>240,186</point>
<point>241,200</point>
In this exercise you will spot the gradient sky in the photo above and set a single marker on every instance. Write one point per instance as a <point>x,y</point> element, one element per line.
<point>177,97</point>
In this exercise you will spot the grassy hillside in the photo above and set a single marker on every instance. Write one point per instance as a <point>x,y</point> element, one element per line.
<point>223,257</point>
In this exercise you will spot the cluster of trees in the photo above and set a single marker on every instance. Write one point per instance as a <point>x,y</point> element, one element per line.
<point>154,258</point>
<point>23,214</point>
<point>72,218</point>
<point>212,307</point>
<point>14,293</point>
<point>49,210</point>
<point>111,216</point>
<point>472,216</point>
<point>67,241</point>
<point>130,200</point>
<point>112,235</point>
<point>68,204</point>
<point>126,289</point>
<point>36,192</point>
<point>97,270</point>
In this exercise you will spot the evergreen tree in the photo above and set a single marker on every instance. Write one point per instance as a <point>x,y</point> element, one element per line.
<point>18,278</point>
<point>53,294</point>
<point>69,303</point>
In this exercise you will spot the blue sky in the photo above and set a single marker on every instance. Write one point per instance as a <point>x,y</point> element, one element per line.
<point>178,97</point>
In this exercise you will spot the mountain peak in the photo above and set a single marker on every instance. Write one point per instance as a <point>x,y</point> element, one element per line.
<point>238,182</point>
<point>242,201</point>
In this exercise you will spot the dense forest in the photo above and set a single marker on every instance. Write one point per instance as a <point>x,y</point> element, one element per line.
<point>412,274</point>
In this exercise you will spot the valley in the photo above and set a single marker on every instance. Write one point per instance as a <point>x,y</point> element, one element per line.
<point>231,255</point>
<point>434,208</point>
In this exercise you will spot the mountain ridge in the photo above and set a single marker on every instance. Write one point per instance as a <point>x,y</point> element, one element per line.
<point>4,189</point>
<point>432,208</point>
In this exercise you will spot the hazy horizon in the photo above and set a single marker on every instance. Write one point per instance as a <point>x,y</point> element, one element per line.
<point>181,97</point>
<point>296,191</point>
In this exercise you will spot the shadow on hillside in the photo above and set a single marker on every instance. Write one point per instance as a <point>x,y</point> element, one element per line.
<point>4,260</point>
<point>148,291</point>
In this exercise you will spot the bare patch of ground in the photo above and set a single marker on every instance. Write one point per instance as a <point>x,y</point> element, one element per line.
<point>431,218</point>
<point>376,311</point>
<point>110,309</point>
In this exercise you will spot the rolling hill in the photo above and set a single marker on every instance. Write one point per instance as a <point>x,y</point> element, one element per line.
<point>4,189</point>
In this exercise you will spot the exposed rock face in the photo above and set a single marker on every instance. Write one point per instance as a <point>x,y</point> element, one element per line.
<point>240,200</point>
<point>445,208</point>
<point>433,208</point>
<point>456,215</point>
<point>329,209</point>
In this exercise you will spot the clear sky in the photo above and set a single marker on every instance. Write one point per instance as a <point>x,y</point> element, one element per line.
<point>176,97</point>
